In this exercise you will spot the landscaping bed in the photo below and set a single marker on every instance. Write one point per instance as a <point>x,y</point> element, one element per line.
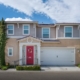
<point>21,68</point>
<point>6,67</point>
<point>28,68</point>
<point>3,67</point>
<point>79,65</point>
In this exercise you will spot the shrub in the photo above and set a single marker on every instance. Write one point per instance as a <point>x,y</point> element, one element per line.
<point>0,67</point>
<point>25,68</point>
<point>19,68</point>
<point>4,68</point>
<point>79,65</point>
<point>28,68</point>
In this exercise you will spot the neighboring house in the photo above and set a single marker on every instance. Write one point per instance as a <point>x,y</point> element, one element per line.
<point>31,43</point>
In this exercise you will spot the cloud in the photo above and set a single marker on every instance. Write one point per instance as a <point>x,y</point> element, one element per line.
<point>59,10</point>
<point>17,19</point>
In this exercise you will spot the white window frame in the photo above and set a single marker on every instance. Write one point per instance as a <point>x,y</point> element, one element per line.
<point>26,29</point>
<point>64,31</point>
<point>8,51</point>
<point>42,33</point>
<point>13,29</point>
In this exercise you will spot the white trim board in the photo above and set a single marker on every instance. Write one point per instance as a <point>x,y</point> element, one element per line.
<point>46,38</point>
<point>68,38</point>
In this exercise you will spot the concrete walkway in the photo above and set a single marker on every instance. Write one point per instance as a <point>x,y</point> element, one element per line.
<point>74,68</point>
<point>48,68</point>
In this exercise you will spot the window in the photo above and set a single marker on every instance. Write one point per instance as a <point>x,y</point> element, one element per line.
<point>10,51</point>
<point>26,29</point>
<point>10,29</point>
<point>45,32</point>
<point>68,31</point>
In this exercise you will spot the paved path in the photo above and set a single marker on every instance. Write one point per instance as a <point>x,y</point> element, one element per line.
<point>70,68</point>
<point>38,75</point>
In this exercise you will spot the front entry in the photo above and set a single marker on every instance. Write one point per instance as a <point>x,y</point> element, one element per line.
<point>29,55</point>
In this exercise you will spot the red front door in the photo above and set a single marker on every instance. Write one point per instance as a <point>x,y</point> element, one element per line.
<point>30,55</point>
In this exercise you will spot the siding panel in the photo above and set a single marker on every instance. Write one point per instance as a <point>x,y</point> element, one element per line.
<point>39,32</point>
<point>18,31</point>
<point>75,31</point>
<point>61,31</point>
<point>52,32</point>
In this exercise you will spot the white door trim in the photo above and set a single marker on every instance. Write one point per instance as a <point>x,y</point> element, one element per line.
<point>26,53</point>
<point>28,44</point>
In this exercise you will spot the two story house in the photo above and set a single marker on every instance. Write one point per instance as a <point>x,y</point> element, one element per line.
<point>31,43</point>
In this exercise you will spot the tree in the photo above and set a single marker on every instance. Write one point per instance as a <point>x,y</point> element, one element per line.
<point>3,39</point>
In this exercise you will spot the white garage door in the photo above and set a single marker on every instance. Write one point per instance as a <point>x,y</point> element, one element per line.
<point>57,56</point>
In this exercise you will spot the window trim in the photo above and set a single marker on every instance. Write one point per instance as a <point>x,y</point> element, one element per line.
<point>28,29</point>
<point>72,31</point>
<point>7,29</point>
<point>8,51</point>
<point>42,33</point>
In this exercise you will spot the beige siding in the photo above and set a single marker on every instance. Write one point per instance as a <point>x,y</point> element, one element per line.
<point>61,31</point>
<point>39,32</point>
<point>75,31</point>
<point>32,30</point>
<point>14,43</point>
<point>52,32</point>
<point>67,43</point>
<point>18,31</point>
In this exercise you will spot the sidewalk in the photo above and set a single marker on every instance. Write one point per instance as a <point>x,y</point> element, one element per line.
<point>59,69</point>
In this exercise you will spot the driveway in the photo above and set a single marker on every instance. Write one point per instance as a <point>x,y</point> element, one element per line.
<point>60,68</point>
<point>39,75</point>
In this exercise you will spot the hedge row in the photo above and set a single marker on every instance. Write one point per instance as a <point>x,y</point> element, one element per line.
<point>28,68</point>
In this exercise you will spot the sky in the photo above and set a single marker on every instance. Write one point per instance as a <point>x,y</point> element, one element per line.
<point>43,11</point>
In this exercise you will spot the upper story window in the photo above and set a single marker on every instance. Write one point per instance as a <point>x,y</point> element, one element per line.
<point>26,29</point>
<point>68,31</point>
<point>45,32</point>
<point>10,51</point>
<point>10,30</point>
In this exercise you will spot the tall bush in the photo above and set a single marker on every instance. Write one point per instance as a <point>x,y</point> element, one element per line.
<point>3,39</point>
